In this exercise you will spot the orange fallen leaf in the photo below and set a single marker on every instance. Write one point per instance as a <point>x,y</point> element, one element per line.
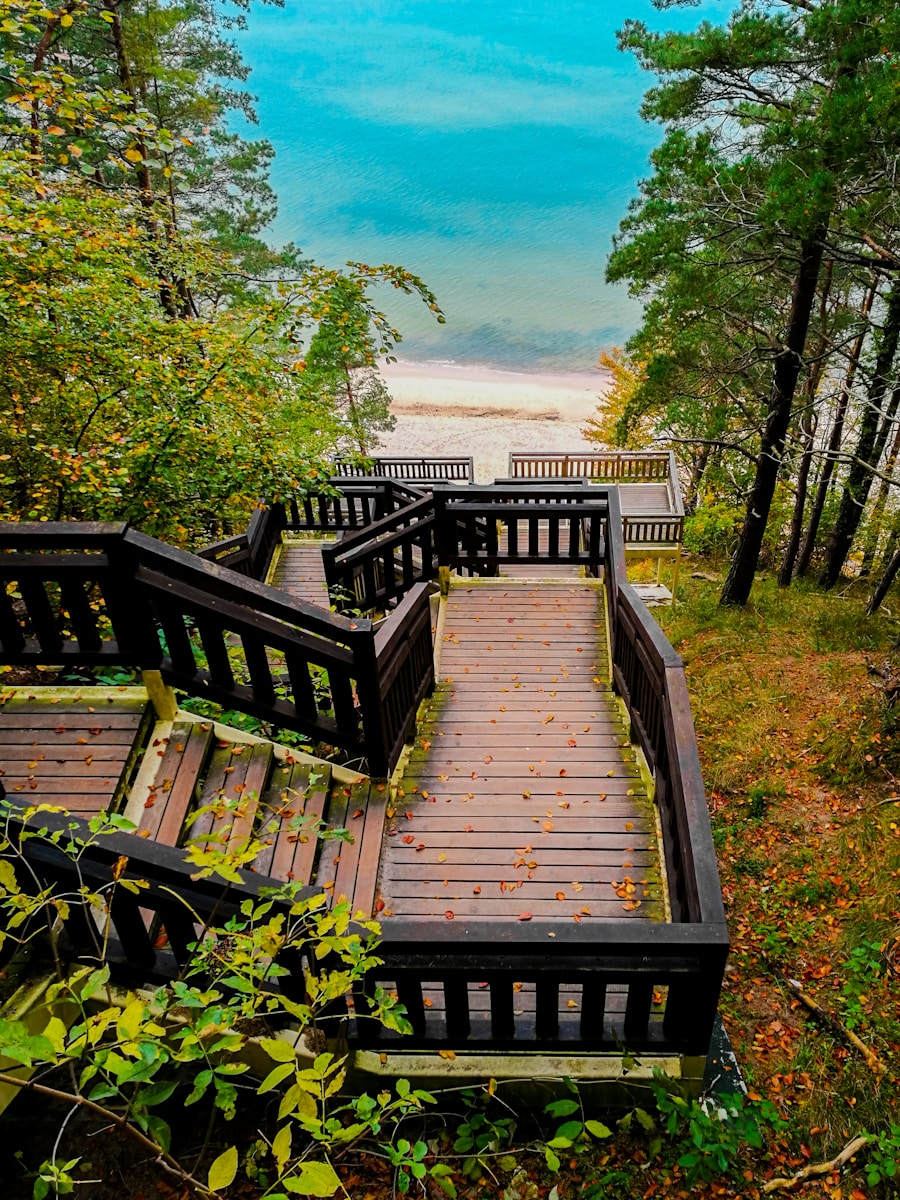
<point>524,916</point>
<point>560,895</point>
<point>449,914</point>
<point>476,891</point>
<point>408,838</point>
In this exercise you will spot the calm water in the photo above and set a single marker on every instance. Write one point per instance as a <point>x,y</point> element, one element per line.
<point>490,146</point>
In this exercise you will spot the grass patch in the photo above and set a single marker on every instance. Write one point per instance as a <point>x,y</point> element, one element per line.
<point>801,756</point>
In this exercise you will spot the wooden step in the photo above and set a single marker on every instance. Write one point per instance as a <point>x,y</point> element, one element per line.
<point>293,808</point>
<point>183,756</point>
<point>226,810</point>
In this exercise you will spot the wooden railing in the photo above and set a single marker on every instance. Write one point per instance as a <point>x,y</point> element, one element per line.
<point>152,929</point>
<point>457,468</point>
<point>76,594</point>
<point>613,466</point>
<point>370,569</point>
<point>649,676</point>
<point>250,553</point>
<point>480,527</point>
<point>499,986</point>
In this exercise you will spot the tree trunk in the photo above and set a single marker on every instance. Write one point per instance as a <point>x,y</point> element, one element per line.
<point>807,431</point>
<point>698,467</point>
<point>871,439</point>
<point>880,502</point>
<point>884,583</point>
<point>807,434</point>
<point>834,442</point>
<point>784,383</point>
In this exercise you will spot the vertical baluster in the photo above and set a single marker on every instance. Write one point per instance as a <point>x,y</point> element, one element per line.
<point>12,639</point>
<point>637,1008</point>
<point>301,686</point>
<point>553,523</point>
<point>593,1009</point>
<point>503,1021</point>
<point>40,611</point>
<point>82,616</point>
<point>409,993</point>
<point>456,1006</point>
<point>512,537</point>
<point>181,652</point>
<point>212,638</point>
<point>258,666</point>
<point>546,1008</point>
<point>534,537</point>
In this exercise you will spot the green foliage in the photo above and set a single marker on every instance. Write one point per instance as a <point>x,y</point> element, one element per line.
<point>717,1129</point>
<point>188,1040</point>
<point>150,344</point>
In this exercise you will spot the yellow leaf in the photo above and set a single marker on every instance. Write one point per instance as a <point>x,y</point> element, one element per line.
<point>133,155</point>
<point>66,20</point>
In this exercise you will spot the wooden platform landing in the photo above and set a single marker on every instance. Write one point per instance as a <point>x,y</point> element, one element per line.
<point>180,782</point>
<point>522,798</point>
<point>75,750</point>
<point>299,571</point>
<point>645,499</point>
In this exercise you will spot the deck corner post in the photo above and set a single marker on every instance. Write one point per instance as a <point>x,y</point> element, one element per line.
<point>444,580</point>
<point>162,697</point>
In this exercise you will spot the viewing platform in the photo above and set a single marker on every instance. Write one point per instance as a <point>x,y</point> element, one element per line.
<point>518,775</point>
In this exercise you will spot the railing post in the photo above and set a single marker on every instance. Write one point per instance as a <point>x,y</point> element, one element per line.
<point>368,689</point>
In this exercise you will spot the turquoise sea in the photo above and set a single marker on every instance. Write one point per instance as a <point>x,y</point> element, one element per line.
<point>490,146</point>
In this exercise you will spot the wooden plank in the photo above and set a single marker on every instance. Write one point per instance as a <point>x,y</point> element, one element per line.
<point>282,804</point>
<point>349,855</point>
<point>336,815</point>
<point>57,741</point>
<point>177,780</point>
<point>370,852</point>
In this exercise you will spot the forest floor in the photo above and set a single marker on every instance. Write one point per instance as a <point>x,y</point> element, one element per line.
<point>800,746</point>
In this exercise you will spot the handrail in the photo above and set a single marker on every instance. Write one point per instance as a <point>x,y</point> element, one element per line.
<point>93,594</point>
<point>412,468</point>
<point>613,465</point>
<point>614,970</point>
<point>171,892</point>
<point>371,568</point>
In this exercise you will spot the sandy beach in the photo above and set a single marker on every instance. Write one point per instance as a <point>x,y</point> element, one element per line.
<point>445,409</point>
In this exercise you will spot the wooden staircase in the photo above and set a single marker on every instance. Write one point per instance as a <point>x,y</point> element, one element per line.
<point>189,781</point>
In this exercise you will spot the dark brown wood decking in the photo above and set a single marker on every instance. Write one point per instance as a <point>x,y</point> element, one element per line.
<point>299,571</point>
<point>522,797</point>
<point>75,749</point>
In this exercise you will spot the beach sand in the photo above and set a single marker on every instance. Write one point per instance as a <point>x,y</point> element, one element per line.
<point>486,413</point>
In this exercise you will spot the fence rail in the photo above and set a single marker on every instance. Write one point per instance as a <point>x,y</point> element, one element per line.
<point>456,467</point>
<point>606,466</point>
<point>86,594</point>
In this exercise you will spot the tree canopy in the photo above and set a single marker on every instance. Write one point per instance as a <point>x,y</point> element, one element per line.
<point>152,345</point>
<point>763,246</point>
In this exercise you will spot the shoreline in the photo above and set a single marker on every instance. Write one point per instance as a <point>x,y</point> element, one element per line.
<point>485,412</point>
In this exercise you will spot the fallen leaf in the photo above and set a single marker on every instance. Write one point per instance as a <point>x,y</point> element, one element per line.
<point>409,838</point>
<point>449,914</point>
<point>476,891</point>
<point>442,857</point>
<point>560,895</point>
<point>524,916</point>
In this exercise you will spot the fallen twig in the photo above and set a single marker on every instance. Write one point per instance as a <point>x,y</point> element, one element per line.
<point>816,1169</point>
<point>872,1059</point>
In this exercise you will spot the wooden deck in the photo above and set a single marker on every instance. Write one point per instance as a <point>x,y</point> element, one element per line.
<point>75,750</point>
<point>299,571</point>
<point>522,798</point>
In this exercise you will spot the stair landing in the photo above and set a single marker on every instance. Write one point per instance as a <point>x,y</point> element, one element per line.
<point>188,782</point>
